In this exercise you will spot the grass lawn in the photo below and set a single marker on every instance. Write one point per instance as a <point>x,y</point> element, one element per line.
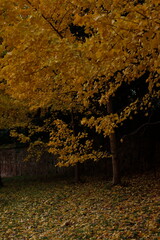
<point>92,210</point>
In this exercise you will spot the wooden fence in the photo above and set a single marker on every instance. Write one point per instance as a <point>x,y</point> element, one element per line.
<point>136,154</point>
<point>12,163</point>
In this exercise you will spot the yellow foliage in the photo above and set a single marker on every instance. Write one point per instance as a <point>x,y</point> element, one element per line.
<point>44,64</point>
<point>71,148</point>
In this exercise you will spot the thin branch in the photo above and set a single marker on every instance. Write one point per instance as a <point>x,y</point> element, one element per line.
<point>52,26</point>
<point>36,71</point>
<point>63,18</point>
<point>45,18</point>
<point>138,129</point>
<point>142,14</point>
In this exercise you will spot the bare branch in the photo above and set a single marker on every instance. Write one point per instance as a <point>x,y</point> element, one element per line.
<point>138,129</point>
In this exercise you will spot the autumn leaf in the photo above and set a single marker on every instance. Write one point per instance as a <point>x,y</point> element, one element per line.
<point>92,210</point>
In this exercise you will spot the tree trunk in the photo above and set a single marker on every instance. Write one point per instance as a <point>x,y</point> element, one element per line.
<point>76,167</point>
<point>113,148</point>
<point>76,173</point>
<point>1,183</point>
<point>115,163</point>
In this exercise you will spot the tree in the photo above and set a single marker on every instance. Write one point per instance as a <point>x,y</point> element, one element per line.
<point>46,65</point>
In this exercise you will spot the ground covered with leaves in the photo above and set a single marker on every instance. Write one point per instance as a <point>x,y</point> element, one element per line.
<point>92,210</point>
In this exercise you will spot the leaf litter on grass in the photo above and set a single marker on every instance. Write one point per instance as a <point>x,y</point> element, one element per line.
<point>59,210</point>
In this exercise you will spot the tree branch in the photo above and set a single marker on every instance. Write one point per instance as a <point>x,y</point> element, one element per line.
<point>45,18</point>
<point>138,129</point>
<point>52,26</point>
